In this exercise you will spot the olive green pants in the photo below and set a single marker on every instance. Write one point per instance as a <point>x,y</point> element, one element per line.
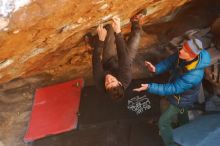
<point>165,122</point>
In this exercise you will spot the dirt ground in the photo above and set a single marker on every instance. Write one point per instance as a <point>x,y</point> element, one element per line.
<point>101,121</point>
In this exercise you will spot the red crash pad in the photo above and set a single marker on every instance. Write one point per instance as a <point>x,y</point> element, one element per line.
<point>54,110</point>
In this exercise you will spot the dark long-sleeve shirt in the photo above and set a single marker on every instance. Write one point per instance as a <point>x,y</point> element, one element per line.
<point>123,73</point>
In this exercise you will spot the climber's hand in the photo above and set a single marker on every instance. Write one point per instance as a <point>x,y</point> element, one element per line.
<point>102,32</point>
<point>116,24</point>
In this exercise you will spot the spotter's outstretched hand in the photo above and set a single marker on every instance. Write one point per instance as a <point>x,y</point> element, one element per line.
<point>142,88</point>
<point>150,66</point>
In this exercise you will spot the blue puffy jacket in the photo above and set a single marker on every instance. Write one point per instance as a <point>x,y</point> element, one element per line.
<point>183,88</point>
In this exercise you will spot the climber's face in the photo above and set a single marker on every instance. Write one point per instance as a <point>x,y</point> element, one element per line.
<point>111,81</point>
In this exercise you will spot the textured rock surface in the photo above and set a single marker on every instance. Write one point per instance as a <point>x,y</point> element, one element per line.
<point>47,36</point>
<point>216,31</point>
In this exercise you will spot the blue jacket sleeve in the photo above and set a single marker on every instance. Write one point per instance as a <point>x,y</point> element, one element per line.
<point>181,84</point>
<point>166,64</point>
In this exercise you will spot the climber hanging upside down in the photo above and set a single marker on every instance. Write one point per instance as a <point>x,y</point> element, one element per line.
<point>113,57</point>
